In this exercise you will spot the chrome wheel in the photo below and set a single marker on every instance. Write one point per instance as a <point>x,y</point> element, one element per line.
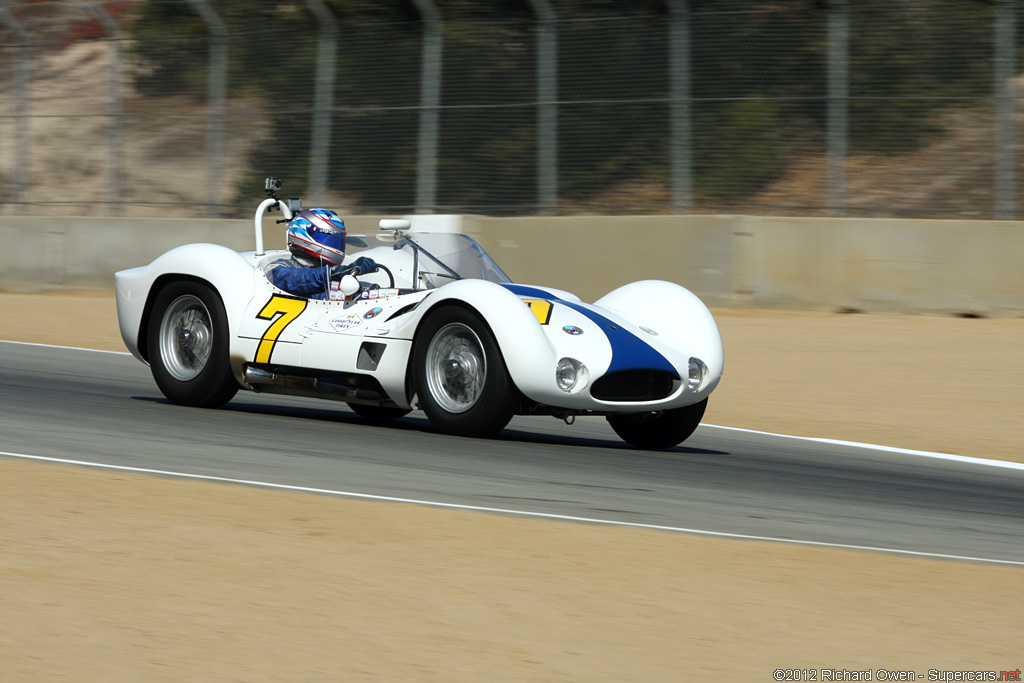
<point>456,368</point>
<point>186,338</point>
<point>187,345</point>
<point>459,374</point>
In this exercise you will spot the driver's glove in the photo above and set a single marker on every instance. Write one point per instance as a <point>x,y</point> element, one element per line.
<point>364,265</point>
<point>361,266</point>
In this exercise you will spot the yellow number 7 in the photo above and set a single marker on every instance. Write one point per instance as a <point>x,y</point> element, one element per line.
<point>540,308</point>
<point>289,309</point>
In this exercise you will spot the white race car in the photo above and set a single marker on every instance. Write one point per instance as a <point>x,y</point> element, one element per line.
<point>438,327</point>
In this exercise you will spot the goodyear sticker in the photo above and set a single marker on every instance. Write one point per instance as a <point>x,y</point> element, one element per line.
<point>345,322</point>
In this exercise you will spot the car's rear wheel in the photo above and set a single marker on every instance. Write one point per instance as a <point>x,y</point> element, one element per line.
<point>461,378</point>
<point>188,346</point>
<point>377,413</point>
<point>659,430</point>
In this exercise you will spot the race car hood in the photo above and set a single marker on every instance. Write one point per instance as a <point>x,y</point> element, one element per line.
<point>629,350</point>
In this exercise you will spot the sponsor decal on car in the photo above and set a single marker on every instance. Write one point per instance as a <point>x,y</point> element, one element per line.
<point>379,293</point>
<point>335,293</point>
<point>571,329</point>
<point>373,312</point>
<point>648,330</point>
<point>345,322</point>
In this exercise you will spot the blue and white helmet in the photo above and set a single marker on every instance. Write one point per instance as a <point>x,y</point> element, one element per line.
<point>316,237</point>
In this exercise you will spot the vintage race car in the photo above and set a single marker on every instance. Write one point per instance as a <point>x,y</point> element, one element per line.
<point>439,327</point>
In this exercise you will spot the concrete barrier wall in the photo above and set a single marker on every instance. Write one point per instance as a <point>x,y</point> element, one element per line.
<point>949,267</point>
<point>50,253</point>
<point>922,266</point>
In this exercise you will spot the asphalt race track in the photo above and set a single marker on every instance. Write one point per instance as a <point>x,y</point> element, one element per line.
<point>105,408</point>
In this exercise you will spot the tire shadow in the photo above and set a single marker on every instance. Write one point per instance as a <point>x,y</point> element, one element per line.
<point>343,415</point>
<point>592,442</point>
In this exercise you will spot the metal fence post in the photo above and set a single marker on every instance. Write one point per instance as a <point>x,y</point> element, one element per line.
<point>838,101</point>
<point>323,102</point>
<point>680,114</point>
<point>430,102</point>
<point>20,85</point>
<point>115,109</point>
<point>547,107</point>
<point>217,97</point>
<point>1005,59</point>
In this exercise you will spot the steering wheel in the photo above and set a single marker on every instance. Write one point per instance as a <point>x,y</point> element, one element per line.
<point>391,277</point>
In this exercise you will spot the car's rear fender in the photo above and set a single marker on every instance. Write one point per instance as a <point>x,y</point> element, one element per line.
<point>226,271</point>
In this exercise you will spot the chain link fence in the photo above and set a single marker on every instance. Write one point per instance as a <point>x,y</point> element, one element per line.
<point>797,107</point>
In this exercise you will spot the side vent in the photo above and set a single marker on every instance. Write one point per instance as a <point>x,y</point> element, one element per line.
<point>402,311</point>
<point>369,355</point>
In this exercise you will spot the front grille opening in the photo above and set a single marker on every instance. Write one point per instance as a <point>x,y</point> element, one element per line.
<point>633,385</point>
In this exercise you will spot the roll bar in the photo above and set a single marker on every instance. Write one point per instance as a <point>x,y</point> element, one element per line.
<point>268,203</point>
<point>288,207</point>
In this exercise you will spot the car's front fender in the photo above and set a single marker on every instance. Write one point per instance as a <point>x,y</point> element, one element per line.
<point>528,354</point>
<point>677,316</point>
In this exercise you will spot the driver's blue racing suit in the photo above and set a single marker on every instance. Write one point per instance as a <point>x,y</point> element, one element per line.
<point>313,282</point>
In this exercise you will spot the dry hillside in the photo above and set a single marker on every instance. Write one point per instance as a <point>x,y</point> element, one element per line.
<point>165,165</point>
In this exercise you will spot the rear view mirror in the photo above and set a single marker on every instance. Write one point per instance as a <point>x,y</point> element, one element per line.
<point>394,224</point>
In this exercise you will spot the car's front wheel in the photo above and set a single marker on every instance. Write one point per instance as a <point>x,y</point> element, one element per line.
<point>188,346</point>
<point>659,430</point>
<point>461,378</point>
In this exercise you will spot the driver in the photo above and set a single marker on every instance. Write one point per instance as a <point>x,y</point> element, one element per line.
<point>316,240</point>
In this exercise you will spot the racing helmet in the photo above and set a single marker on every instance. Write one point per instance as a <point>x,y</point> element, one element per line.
<point>316,237</point>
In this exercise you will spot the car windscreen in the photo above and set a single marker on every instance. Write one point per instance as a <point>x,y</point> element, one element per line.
<point>459,253</point>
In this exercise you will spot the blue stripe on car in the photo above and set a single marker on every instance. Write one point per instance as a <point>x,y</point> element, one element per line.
<point>629,352</point>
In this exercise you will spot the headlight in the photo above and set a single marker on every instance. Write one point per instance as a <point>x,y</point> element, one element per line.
<point>570,374</point>
<point>698,374</point>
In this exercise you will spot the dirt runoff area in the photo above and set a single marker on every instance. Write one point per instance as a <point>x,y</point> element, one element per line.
<point>121,577</point>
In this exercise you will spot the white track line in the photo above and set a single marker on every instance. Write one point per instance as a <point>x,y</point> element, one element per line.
<point>521,513</point>
<point>887,449</point>
<point>70,348</point>
<point>835,442</point>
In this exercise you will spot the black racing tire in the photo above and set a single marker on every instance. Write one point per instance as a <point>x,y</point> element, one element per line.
<point>661,430</point>
<point>377,413</point>
<point>188,346</point>
<point>461,378</point>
